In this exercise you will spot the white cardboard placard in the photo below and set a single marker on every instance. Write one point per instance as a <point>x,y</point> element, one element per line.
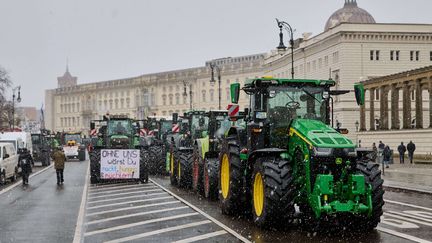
<point>120,164</point>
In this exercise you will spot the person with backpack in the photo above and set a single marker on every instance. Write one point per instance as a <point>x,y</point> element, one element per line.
<point>411,148</point>
<point>387,155</point>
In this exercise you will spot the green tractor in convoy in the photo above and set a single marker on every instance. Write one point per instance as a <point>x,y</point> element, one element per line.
<point>288,154</point>
<point>158,130</point>
<point>205,165</point>
<point>192,126</point>
<point>118,147</point>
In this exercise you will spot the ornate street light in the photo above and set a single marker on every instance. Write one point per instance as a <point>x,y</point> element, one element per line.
<point>213,81</point>
<point>13,104</point>
<point>282,47</point>
<point>185,84</point>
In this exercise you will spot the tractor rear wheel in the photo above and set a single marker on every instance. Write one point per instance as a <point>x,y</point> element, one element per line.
<point>144,171</point>
<point>210,178</point>
<point>272,191</point>
<point>372,175</point>
<point>173,169</point>
<point>95,166</point>
<point>230,179</point>
<point>184,176</point>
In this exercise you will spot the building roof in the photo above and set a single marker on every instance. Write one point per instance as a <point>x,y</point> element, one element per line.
<point>350,13</point>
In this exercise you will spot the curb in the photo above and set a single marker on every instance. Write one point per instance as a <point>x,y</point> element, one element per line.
<point>406,189</point>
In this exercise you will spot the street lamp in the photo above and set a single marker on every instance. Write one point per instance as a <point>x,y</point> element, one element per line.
<point>13,104</point>
<point>281,46</point>
<point>357,124</point>
<point>185,84</point>
<point>213,81</point>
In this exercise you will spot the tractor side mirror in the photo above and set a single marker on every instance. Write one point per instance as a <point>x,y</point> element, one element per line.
<point>175,118</point>
<point>235,92</point>
<point>359,93</point>
<point>92,125</point>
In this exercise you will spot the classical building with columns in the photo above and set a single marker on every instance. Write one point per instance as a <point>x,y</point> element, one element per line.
<point>398,108</point>
<point>352,48</point>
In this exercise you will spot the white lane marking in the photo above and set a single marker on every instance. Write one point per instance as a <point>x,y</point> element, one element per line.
<point>402,235</point>
<point>133,207</point>
<point>122,198</point>
<point>231,231</point>
<point>80,219</point>
<point>102,186</point>
<point>135,214</point>
<point>411,216</point>
<point>129,202</point>
<point>19,182</point>
<point>407,219</point>
<point>125,193</point>
<point>94,191</point>
<point>201,237</point>
<point>120,190</point>
<point>155,232</point>
<point>407,204</point>
<point>127,226</point>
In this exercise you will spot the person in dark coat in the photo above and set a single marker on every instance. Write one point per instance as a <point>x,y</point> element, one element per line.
<point>411,148</point>
<point>59,164</point>
<point>375,152</point>
<point>381,145</point>
<point>26,169</point>
<point>401,150</point>
<point>386,155</point>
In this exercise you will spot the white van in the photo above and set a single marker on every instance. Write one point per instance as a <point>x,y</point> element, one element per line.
<point>8,162</point>
<point>24,136</point>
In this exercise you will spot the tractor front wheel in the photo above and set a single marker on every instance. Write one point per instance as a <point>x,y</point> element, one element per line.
<point>272,191</point>
<point>197,172</point>
<point>210,178</point>
<point>184,176</point>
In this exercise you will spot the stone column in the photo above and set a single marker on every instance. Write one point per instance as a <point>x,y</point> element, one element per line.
<point>372,110</point>
<point>362,118</point>
<point>419,105</point>
<point>394,107</point>
<point>383,108</point>
<point>406,107</point>
<point>430,102</point>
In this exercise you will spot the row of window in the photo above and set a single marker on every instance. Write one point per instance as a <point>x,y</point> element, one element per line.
<point>170,100</point>
<point>70,122</point>
<point>395,55</point>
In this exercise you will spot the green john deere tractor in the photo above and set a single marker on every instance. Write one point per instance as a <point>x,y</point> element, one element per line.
<point>118,145</point>
<point>289,154</point>
<point>192,126</point>
<point>159,130</point>
<point>206,150</point>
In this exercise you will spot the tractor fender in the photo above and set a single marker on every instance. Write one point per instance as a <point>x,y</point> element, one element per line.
<point>238,134</point>
<point>212,154</point>
<point>267,152</point>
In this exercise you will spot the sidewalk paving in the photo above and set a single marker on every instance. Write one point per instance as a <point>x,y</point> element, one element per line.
<point>413,177</point>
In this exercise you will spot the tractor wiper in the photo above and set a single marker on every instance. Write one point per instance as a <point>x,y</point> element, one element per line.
<point>311,95</point>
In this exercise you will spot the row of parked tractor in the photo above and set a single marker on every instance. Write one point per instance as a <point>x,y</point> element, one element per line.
<point>279,160</point>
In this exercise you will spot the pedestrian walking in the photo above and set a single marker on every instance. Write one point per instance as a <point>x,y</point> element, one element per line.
<point>387,155</point>
<point>411,148</point>
<point>381,145</point>
<point>59,163</point>
<point>26,168</point>
<point>375,152</point>
<point>401,150</point>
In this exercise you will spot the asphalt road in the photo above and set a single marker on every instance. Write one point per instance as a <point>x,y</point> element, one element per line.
<point>157,212</point>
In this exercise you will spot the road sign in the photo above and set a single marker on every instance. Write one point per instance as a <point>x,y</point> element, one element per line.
<point>233,110</point>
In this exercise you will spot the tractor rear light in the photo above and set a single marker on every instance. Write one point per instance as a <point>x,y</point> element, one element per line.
<point>256,130</point>
<point>244,151</point>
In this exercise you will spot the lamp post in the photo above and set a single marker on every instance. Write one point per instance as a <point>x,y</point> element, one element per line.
<point>13,104</point>
<point>282,47</point>
<point>185,84</point>
<point>213,81</point>
<point>357,124</point>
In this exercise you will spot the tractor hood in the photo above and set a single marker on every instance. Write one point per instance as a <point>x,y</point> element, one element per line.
<point>319,135</point>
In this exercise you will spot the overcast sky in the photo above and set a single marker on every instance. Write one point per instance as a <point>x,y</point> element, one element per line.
<point>111,39</point>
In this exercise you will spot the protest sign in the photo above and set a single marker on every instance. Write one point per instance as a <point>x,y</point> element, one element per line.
<point>120,164</point>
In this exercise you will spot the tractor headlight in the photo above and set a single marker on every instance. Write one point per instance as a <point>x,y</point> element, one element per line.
<point>324,152</point>
<point>351,152</point>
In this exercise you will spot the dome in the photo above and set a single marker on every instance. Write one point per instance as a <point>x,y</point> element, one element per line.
<point>350,13</point>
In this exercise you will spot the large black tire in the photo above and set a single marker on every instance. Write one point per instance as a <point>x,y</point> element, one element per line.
<point>231,175</point>
<point>81,155</point>
<point>144,171</point>
<point>2,178</point>
<point>46,159</point>
<point>157,160</point>
<point>173,169</point>
<point>210,178</point>
<point>272,191</point>
<point>95,166</point>
<point>372,175</point>
<point>184,176</point>
<point>197,171</point>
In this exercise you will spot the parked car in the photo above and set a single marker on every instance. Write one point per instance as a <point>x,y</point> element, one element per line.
<point>8,162</point>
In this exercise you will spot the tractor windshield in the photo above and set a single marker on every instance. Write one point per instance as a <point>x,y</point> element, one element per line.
<point>199,125</point>
<point>72,137</point>
<point>36,138</point>
<point>166,127</point>
<point>119,127</point>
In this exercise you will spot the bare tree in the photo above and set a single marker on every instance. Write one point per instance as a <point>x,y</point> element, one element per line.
<point>5,83</point>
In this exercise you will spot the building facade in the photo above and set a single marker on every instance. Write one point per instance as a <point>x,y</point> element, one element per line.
<point>352,48</point>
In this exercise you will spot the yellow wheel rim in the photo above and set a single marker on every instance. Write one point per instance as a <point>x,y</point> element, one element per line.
<point>172,165</point>
<point>225,176</point>
<point>258,194</point>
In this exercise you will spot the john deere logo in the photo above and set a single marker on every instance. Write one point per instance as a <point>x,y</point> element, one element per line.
<point>338,161</point>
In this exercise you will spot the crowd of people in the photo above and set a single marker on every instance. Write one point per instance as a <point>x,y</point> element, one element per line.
<point>385,152</point>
